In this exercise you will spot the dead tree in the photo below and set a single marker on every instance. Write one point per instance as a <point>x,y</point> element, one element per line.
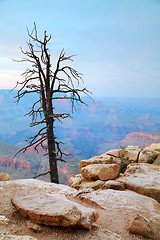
<point>50,85</point>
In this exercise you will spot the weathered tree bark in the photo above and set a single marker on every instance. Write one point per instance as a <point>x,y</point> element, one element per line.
<point>51,143</point>
<point>50,86</point>
<point>52,152</point>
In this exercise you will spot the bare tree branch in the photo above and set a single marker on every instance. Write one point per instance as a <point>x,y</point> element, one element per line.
<point>49,86</point>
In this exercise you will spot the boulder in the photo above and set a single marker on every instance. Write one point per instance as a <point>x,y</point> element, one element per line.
<point>76,181</point>
<point>102,159</point>
<point>157,161</point>
<point>140,226</point>
<point>54,210</point>
<point>130,153</point>
<point>5,176</point>
<point>114,153</point>
<point>111,184</point>
<point>155,147</point>
<point>89,216</point>
<point>92,184</point>
<point>121,206</point>
<point>98,184</point>
<point>143,178</point>
<point>147,156</point>
<point>100,171</point>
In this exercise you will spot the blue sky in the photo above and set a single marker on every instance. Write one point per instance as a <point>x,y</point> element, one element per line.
<point>117,42</point>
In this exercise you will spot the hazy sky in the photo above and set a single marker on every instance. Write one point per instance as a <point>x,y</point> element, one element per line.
<point>117,41</point>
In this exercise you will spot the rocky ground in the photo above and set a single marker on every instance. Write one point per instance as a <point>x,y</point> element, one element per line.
<point>101,204</point>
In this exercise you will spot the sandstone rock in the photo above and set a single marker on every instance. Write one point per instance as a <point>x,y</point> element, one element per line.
<point>110,184</point>
<point>157,161</point>
<point>3,220</point>
<point>92,184</point>
<point>114,153</point>
<point>126,203</point>
<point>140,226</point>
<point>143,178</point>
<point>130,153</point>
<point>155,147</point>
<point>76,181</point>
<point>32,185</point>
<point>33,226</point>
<point>147,156</point>
<point>100,171</point>
<point>54,210</point>
<point>102,159</point>
<point>6,236</point>
<point>5,176</point>
<point>89,216</point>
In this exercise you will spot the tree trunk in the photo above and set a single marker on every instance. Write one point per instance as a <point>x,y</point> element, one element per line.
<point>51,151</point>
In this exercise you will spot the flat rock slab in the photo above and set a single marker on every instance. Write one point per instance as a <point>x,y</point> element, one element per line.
<point>102,159</point>
<point>127,202</point>
<point>143,178</point>
<point>54,210</point>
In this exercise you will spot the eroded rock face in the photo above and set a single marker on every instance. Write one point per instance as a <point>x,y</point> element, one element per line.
<point>100,171</point>
<point>5,176</point>
<point>54,210</point>
<point>143,178</point>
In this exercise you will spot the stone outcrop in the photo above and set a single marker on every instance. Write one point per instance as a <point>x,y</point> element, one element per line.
<point>143,178</point>
<point>100,171</point>
<point>137,191</point>
<point>4,176</point>
<point>54,210</point>
<point>90,169</point>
